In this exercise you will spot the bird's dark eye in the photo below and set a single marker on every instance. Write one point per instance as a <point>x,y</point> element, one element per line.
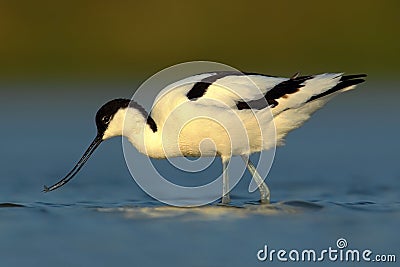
<point>106,119</point>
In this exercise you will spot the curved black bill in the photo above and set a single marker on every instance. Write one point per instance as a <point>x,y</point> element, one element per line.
<point>96,142</point>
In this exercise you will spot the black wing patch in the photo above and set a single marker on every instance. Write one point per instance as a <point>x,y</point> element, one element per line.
<point>200,88</point>
<point>271,97</point>
<point>344,82</point>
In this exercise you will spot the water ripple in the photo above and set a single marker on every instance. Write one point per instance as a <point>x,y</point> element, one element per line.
<point>11,205</point>
<point>213,212</point>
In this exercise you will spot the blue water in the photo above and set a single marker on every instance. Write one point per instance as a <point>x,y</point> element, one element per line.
<point>337,177</point>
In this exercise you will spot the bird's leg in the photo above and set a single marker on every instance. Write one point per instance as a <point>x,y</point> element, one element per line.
<point>262,186</point>
<point>225,181</point>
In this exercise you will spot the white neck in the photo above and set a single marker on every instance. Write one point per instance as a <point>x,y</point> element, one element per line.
<point>132,123</point>
<point>139,133</point>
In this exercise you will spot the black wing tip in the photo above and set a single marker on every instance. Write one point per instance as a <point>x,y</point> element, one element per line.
<point>349,80</point>
<point>353,77</point>
<point>345,81</point>
<point>355,81</point>
<point>46,189</point>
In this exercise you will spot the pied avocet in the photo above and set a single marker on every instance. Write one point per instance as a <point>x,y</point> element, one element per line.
<point>290,100</point>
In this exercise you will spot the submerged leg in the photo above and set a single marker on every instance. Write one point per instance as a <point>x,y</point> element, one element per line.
<point>262,186</point>
<point>225,181</point>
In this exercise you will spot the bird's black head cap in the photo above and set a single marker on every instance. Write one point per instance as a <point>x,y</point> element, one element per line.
<point>105,114</point>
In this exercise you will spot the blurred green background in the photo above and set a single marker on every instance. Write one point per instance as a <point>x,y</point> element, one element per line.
<point>122,39</point>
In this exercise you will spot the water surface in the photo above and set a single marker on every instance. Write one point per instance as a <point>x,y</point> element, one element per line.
<point>337,177</point>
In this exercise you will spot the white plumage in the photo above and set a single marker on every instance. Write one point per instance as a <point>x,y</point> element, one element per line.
<point>240,113</point>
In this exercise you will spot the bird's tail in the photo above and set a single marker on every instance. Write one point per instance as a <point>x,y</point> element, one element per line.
<point>345,83</point>
<point>316,92</point>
